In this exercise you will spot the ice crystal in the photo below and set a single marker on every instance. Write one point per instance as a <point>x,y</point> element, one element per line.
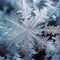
<point>29,29</point>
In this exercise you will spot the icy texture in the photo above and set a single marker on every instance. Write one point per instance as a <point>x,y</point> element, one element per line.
<point>29,30</point>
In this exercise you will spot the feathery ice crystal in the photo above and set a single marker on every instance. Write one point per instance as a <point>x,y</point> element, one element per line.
<point>29,30</point>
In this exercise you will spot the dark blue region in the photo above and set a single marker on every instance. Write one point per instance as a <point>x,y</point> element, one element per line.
<point>40,55</point>
<point>7,5</point>
<point>41,4</point>
<point>58,20</point>
<point>54,22</point>
<point>55,0</point>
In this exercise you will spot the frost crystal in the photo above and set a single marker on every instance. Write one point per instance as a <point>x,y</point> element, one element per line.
<point>30,30</point>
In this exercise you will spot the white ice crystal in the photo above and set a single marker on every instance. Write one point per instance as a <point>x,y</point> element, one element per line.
<point>24,32</point>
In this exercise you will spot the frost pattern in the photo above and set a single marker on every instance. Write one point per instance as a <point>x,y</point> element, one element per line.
<point>30,27</point>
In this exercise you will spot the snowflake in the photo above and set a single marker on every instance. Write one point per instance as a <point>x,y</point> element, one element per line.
<point>23,31</point>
